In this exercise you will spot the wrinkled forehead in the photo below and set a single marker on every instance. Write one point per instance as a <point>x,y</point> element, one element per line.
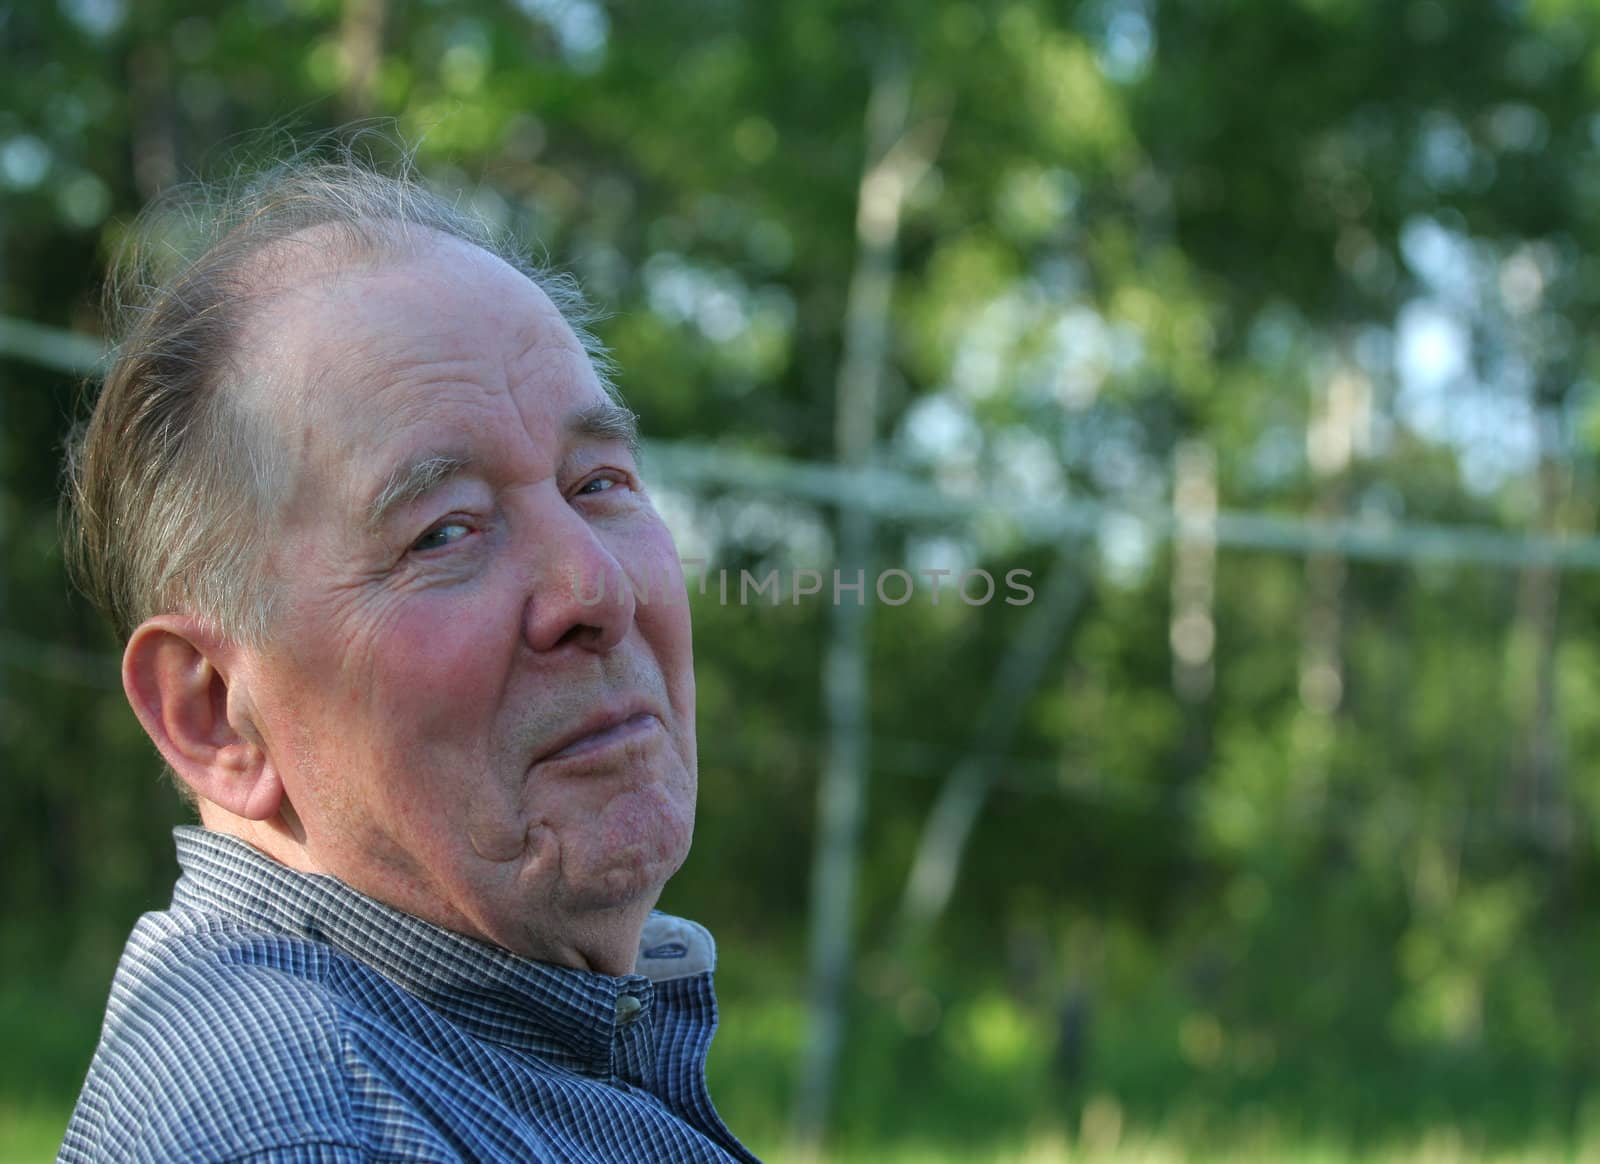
<point>326,297</point>
<point>334,332</point>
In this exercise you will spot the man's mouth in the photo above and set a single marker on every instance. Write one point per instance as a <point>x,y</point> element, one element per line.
<point>606,731</point>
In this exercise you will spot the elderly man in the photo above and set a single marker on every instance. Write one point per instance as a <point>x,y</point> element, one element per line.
<point>368,515</point>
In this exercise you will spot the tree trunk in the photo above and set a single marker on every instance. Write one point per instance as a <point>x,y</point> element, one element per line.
<point>897,157</point>
<point>1192,633</point>
<point>1538,782</point>
<point>943,843</point>
<point>152,120</point>
<point>361,53</point>
<point>1337,429</point>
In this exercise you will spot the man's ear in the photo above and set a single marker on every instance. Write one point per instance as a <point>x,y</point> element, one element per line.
<point>177,673</point>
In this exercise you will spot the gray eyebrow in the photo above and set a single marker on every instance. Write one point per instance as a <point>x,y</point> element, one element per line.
<point>411,481</point>
<point>608,421</point>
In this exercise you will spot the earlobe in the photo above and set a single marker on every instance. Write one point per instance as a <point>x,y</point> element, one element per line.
<point>176,674</point>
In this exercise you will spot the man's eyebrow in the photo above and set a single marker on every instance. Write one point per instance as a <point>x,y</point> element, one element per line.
<point>607,421</point>
<point>409,482</point>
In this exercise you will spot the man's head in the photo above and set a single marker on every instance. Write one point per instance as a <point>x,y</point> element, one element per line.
<point>371,523</point>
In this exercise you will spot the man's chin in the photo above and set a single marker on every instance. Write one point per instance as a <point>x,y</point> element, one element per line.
<point>620,887</point>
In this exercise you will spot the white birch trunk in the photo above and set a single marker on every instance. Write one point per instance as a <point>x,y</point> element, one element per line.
<point>896,160</point>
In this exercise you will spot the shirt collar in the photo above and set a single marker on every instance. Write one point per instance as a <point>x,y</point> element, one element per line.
<point>495,994</point>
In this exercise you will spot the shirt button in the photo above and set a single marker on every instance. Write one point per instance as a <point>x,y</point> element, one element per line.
<point>628,1008</point>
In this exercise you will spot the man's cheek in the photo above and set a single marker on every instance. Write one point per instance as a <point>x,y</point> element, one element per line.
<point>428,655</point>
<point>660,564</point>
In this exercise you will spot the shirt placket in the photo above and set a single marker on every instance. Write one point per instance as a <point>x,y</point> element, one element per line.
<point>633,1045</point>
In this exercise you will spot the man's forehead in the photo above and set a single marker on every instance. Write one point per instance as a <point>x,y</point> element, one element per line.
<point>337,293</point>
<point>363,368</point>
<point>329,330</point>
<point>331,251</point>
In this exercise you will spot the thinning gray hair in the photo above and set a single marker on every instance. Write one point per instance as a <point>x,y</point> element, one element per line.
<point>173,483</point>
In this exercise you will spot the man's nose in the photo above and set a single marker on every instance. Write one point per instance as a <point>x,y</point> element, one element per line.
<point>579,593</point>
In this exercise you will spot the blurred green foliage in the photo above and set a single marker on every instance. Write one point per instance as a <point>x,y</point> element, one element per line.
<point>1293,860</point>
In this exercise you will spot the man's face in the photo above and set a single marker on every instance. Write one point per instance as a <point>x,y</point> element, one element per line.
<point>461,728</point>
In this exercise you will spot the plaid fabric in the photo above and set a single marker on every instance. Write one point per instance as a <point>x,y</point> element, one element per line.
<point>280,1018</point>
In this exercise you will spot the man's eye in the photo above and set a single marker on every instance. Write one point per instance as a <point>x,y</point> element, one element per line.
<point>442,535</point>
<point>597,485</point>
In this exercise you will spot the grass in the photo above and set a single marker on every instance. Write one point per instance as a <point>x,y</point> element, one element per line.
<point>980,1088</point>
<point>976,1086</point>
<point>1443,1147</point>
<point>30,1133</point>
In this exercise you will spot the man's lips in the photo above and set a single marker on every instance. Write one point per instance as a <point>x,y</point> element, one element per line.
<point>605,730</point>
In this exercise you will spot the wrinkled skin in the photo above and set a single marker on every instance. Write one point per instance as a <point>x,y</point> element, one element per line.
<point>460,727</point>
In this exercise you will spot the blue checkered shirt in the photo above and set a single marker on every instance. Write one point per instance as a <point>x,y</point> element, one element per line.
<point>275,1017</point>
